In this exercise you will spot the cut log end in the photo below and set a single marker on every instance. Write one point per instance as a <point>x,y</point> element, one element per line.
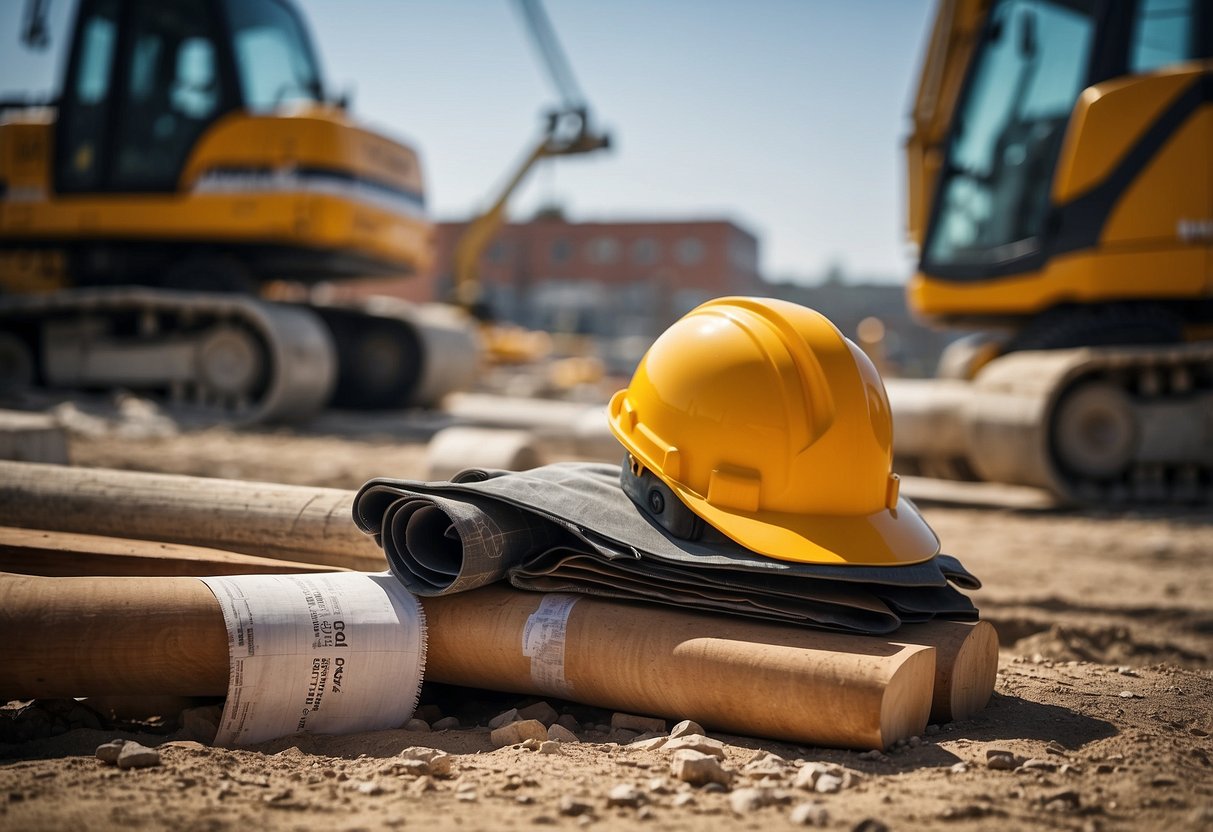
<point>906,705</point>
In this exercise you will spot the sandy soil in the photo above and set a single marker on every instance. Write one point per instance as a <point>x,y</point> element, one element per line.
<point>1105,684</point>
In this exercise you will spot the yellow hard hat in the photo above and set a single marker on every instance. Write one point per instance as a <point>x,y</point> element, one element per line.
<point>768,423</point>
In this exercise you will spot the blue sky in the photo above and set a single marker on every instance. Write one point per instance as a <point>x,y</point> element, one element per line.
<point>786,116</point>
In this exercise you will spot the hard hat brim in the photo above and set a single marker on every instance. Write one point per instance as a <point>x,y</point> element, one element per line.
<point>885,538</point>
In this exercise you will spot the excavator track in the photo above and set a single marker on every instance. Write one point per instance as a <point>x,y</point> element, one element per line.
<point>1096,425</point>
<point>227,357</point>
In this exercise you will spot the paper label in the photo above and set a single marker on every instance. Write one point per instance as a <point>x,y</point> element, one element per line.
<point>330,653</point>
<point>543,642</point>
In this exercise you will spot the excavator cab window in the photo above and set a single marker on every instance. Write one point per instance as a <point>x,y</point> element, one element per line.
<point>994,192</point>
<point>274,59</point>
<point>144,80</point>
<point>1164,33</point>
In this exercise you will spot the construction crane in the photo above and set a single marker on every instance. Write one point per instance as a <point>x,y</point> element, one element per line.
<point>568,130</point>
<point>1061,193</point>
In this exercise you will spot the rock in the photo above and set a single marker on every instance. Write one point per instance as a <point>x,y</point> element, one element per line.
<point>1066,798</point>
<point>569,721</point>
<point>431,760</point>
<point>467,795</point>
<point>870,825</point>
<point>810,773</point>
<point>683,799</point>
<point>549,747</point>
<point>746,800</point>
<point>698,769</point>
<point>623,736</point>
<point>626,795</point>
<point>999,759</point>
<point>202,724</point>
<point>533,743</point>
<point>809,814</point>
<point>517,732</point>
<point>559,733</point>
<point>932,730</point>
<point>504,718</point>
<point>1163,782</point>
<point>541,711</point>
<point>959,768</point>
<point>696,742</point>
<point>134,755</point>
<point>417,726</point>
<point>574,806</point>
<point>430,713</point>
<point>108,752</point>
<point>828,784</point>
<point>763,768</point>
<point>685,729</point>
<point>369,787</point>
<point>1036,764</point>
<point>639,724</point>
<point>651,744</point>
<point>1128,694</point>
<point>659,785</point>
<point>447,723</point>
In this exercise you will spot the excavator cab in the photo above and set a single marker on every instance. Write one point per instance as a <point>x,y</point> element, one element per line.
<point>1076,154</point>
<point>145,79</point>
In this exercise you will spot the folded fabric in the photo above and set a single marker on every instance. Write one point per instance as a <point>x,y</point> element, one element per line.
<point>569,527</point>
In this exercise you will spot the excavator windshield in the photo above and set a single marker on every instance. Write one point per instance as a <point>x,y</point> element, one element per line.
<point>993,198</point>
<point>274,59</point>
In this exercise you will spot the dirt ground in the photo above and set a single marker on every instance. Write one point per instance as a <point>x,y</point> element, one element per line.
<point>1105,691</point>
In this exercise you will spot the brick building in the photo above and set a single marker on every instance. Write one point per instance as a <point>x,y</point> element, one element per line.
<point>606,279</point>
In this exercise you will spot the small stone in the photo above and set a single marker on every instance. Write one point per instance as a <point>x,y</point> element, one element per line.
<point>746,800</point>
<point>828,784</point>
<point>999,759</point>
<point>683,799</point>
<point>430,713</point>
<point>639,724</point>
<point>447,723</point>
<point>932,730</point>
<point>809,814</point>
<point>696,742</point>
<point>517,732</point>
<point>870,825</point>
<point>761,769</point>
<point>524,799</point>
<point>559,733</point>
<point>1056,749</point>
<point>549,747</point>
<point>108,752</point>
<point>1036,764</point>
<point>686,728</point>
<point>419,760</point>
<point>959,768</point>
<point>651,744</point>
<point>418,726</point>
<point>658,785</point>
<point>1163,782</point>
<point>1067,798</point>
<point>914,742</point>
<point>1105,768</point>
<point>623,736</point>
<point>810,773</point>
<point>467,795</point>
<point>1125,670</point>
<point>370,788</point>
<point>625,795</point>
<point>504,718</point>
<point>698,769</point>
<point>574,806</point>
<point>645,813</point>
<point>570,722</point>
<point>134,755</point>
<point>533,743</point>
<point>541,711</point>
<point>874,754</point>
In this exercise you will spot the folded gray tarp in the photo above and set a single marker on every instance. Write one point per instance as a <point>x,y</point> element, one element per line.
<point>569,527</point>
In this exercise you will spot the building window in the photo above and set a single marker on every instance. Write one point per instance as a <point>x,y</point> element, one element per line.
<point>562,250</point>
<point>688,251</point>
<point>644,251</point>
<point>601,250</point>
<point>498,252</point>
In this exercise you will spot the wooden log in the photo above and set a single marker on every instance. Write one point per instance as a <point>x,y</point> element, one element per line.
<point>298,523</point>
<point>62,554</point>
<point>726,673</point>
<point>67,637</point>
<point>966,665</point>
<point>97,636</point>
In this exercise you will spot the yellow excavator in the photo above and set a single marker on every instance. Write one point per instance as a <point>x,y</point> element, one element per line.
<point>190,158</point>
<point>1060,176</point>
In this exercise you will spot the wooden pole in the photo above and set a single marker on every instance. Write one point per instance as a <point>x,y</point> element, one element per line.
<point>966,665</point>
<point>94,636</point>
<point>63,554</point>
<point>281,521</point>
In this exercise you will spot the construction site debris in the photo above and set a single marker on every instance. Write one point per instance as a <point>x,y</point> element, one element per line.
<point>699,769</point>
